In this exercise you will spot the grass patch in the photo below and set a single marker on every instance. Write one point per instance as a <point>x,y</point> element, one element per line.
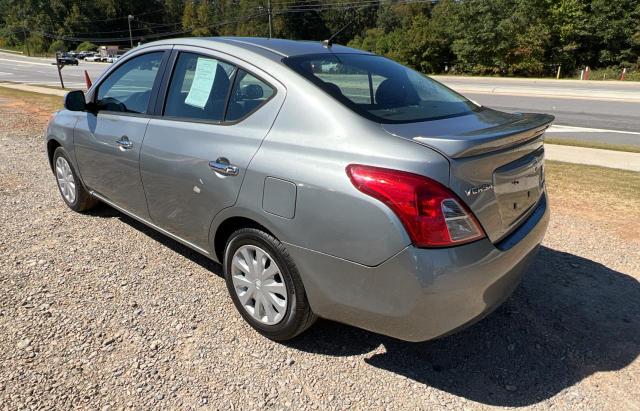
<point>592,144</point>
<point>38,101</point>
<point>607,191</point>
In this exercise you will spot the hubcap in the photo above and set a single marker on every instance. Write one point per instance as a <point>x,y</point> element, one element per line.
<point>66,181</point>
<point>258,284</point>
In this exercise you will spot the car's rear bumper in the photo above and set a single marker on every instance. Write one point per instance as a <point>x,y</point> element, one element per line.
<point>421,294</point>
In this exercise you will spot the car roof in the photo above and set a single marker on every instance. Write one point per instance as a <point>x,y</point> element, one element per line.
<point>274,49</point>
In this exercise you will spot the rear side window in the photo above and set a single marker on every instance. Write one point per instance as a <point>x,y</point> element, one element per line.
<point>380,89</point>
<point>128,88</point>
<point>248,94</point>
<point>199,88</point>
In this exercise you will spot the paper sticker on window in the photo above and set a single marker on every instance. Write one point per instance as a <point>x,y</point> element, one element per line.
<point>202,82</point>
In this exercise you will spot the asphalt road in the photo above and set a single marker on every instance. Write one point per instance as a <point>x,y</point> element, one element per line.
<point>606,112</point>
<point>31,70</point>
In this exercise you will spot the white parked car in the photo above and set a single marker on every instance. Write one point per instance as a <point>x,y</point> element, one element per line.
<point>93,58</point>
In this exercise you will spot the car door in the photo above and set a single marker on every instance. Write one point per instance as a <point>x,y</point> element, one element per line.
<point>194,157</point>
<point>108,138</point>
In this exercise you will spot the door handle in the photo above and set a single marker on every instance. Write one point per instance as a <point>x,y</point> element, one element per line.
<point>222,166</point>
<point>124,143</point>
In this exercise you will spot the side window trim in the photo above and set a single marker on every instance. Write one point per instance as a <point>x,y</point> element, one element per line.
<point>228,98</point>
<point>162,99</point>
<point>163,93</point>
<point>275,91</point>
<point>166,81</point>
<point>162,74</point>
<point>154,89</point>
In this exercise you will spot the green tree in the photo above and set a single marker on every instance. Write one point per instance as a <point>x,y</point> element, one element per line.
<point>507,37</point>
<point>86,46</point>
<point>614,24</point>
<point>302,21</point>
<point>173,10</point>
<point>431,38</point>
<point>56,46</point>
<point>197,18</point>
<point>568,20</point>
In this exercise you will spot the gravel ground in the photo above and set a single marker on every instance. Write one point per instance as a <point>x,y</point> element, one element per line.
<point>98,311</point>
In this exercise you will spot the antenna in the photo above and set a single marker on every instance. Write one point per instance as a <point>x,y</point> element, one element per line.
<point>329,42</point>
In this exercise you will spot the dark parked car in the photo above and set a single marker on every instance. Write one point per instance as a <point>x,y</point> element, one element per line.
<point>66,59</point>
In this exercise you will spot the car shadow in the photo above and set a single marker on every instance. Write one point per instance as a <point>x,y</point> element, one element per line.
<point>570,317</point>
<point>104,211</point>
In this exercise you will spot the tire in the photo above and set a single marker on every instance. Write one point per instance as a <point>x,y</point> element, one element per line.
<point>81,200</point>
<point>297,316</point>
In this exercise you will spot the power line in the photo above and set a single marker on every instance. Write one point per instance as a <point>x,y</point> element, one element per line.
<point>120,17</point>
<point>150,36</point>
<point>340,5</point>
<point>300,6</point>
<point>344,6</point>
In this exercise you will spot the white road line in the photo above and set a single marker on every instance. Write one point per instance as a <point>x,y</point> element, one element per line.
<point>570,129</point>
<point>27,62</point>
<point>13,66</point>
<point>2,73</point>
<point>594,95</point>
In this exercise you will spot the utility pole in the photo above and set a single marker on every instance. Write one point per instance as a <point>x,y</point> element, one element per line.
<point>24,35</point>
<point>270,23</point>
<point>129,18</point>
<point>24,30</point>
<point>60,66</point>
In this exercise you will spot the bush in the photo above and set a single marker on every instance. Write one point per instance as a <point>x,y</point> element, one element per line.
<point>36,44</point>
<point>86,46</point>
<point>614,73</point>
<point>56,46</point>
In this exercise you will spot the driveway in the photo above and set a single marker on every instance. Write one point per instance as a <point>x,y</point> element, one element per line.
<point>99,311</point>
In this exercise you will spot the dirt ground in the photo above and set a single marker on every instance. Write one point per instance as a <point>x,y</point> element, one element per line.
<point>99,311</point>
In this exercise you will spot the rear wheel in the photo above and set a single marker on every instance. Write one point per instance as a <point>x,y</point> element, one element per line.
<point>265,285</point>
<point>73,192</point>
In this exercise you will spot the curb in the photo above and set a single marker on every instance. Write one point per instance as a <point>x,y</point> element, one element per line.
<point>621,160</point>
<point>35,89</point>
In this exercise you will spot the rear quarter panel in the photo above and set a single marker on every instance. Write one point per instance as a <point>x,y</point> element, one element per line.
<point>311,143</point>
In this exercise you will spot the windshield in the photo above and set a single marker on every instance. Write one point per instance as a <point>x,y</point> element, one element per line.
<point>380,89</point>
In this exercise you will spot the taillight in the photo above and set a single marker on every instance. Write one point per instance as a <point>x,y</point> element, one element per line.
<point>432,214</point>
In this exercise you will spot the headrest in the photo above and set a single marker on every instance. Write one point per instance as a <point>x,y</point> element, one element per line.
<point>252,91</point>
<point>333,89</point>
<point>391,93</point>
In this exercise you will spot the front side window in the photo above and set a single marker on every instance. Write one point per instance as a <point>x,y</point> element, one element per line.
<point>247,95</point>
<point>199,88</point>
<point>380,89</point>
<point>128,88</point>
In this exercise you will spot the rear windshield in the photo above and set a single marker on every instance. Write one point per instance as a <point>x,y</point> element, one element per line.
<point>380,89</point>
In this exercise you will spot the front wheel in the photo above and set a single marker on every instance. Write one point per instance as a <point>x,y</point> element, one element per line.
<point>265,285</point>
<point>73,192</point>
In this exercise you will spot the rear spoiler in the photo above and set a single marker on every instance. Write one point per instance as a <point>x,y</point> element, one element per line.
<point>510,132</point>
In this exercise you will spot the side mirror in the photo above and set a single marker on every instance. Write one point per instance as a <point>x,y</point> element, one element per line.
<point>75,101</point>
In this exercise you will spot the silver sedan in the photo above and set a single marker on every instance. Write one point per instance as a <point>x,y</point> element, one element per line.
<point>329,182</point>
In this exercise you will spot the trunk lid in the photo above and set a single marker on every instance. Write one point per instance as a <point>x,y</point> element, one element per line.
<point>497,162</point>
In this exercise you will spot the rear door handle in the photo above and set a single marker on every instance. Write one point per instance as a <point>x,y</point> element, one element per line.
<point>124,143</point>
<point>222,166</point>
